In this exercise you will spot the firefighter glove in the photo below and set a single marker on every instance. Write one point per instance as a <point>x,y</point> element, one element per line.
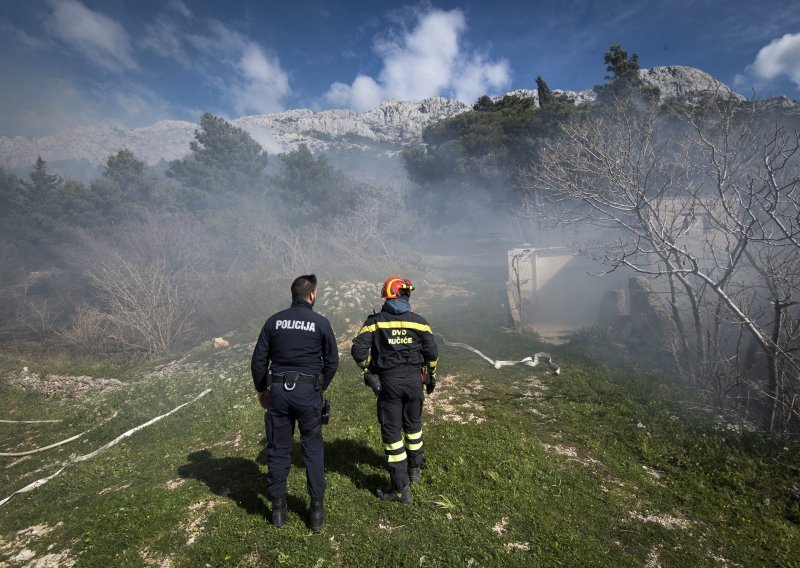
<point>372,381</point>
<point>431,384</point>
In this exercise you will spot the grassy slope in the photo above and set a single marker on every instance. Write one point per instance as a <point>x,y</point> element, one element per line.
<point>597,467</point>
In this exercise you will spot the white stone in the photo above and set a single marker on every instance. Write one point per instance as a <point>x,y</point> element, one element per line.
<point>685,83</point>
<point>23,556</point>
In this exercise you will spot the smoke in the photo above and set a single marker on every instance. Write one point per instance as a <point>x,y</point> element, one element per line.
<point>265,138</point>
<point>41,105</point>
<point>429,60</point>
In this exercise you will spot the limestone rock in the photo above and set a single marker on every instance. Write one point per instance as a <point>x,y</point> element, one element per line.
<point>393,123</point>
<point>685,83</point>
<point>781,104</point>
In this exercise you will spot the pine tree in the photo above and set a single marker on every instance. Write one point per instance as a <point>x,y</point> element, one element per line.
<point>124,190</point>
<point>11,205</point>
<point>484,103</point>
<point>224,158</point>
<point>310,186</point>
<point>42,184</point>
<point>623,69</point>
<point>40,206</point>
<point>545,96</point>
<point>625,75</point>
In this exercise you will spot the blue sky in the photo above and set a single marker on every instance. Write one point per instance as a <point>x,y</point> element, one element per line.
<point>67,63</point>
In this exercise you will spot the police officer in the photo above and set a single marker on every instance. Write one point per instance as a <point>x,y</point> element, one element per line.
<point>391,348</point>
<point>294,361</point>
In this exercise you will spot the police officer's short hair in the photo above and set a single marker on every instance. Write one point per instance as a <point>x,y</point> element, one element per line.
<point>303,286</point>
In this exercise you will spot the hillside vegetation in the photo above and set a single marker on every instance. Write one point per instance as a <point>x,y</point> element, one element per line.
<point>698,191</point>
<point>600,466</point>
<point>128,440</point>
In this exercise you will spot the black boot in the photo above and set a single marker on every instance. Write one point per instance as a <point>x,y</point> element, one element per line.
<point>404,496</point>
<point>413,474</point>
<point>279,510</point>
<point>316,516</point>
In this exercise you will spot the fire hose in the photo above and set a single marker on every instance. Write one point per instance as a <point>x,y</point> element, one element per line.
<point>115,441</point>
<point>527,361</point>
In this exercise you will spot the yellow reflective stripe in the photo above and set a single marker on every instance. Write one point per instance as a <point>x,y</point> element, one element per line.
<point>414,435</point>
<point>402,325</point>
<point>362,364</point>
<point>414,447</point>
<point>431,364</point>
<point>395,325</point>
<point>394,446</point>
<point>396,458</point>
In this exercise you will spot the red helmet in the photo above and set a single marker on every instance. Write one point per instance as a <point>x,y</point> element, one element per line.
<point>395,286</point>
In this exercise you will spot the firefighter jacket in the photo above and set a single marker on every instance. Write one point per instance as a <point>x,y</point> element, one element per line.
<point>295,339</point>
<point>394,340</point>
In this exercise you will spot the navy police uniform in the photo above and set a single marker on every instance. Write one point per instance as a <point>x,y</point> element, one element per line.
<point>394,344</point>
<point>296,352</point>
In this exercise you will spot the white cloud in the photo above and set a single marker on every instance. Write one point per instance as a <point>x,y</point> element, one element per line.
<point>219,39</point>
<point>97,37</point>
<point>21,38</point>
<point>365,92</point>
<point>474,77</point>
<point>163,37</point>
<point>779,58</point>
<point>426,61</point>
<point>339,94</point>
<point>262,84</point>
<point>32,42</point>
<point>251,78</point>
<point>180,8</point>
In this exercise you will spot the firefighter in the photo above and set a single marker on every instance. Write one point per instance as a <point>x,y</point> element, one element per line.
<point>294,361</point>
<point>391,348</point>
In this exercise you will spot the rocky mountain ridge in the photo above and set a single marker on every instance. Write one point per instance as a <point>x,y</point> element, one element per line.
<point>167,139</point>
<point>391,125</point>
<point>394,123</point>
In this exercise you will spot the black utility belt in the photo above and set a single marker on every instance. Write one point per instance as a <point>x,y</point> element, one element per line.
<point>299,380</point>
<point>291,378</point>
<point>401,372</point>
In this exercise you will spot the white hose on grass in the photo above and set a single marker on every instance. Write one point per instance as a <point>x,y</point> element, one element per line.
<point>37,450</point>
<point>527,361</point>
<point>57,444</point>
<point>115,441</point>
<point>27,421</point>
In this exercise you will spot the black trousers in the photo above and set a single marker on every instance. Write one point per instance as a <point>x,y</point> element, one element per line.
<point>400,416</point>
<point>302,406</point>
